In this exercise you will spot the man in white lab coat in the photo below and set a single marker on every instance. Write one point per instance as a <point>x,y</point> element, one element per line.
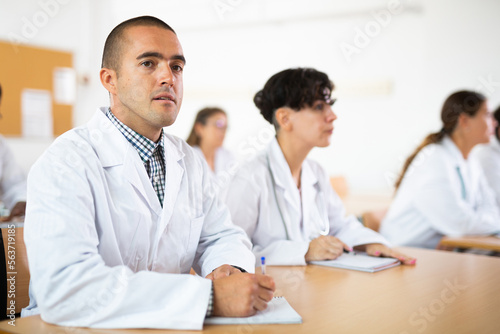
<point>12,181</point>
<point>119,211</point>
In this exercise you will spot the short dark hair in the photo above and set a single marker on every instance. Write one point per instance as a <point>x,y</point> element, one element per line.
<point>294,88</point>
<point>113,45</point>
<point>0,92</point>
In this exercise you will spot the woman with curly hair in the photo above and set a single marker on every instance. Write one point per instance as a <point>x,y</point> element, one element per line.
<point>283,200</point>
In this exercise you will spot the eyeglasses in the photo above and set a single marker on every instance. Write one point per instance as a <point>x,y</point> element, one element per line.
<point>330,101</point>
<point>220,124</point>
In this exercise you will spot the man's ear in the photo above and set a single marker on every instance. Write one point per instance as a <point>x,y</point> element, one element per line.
<point>282,116</point>
<point>108,80</point>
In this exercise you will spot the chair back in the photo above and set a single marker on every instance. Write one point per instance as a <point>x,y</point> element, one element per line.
<point>14,270</point>
<point>339,184</point>
<point>373,219</point>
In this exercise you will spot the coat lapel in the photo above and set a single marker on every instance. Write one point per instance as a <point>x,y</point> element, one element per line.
<point>283,176</point>
<point>119,156</point>
<point>287,194</point>
<point>174,173</point>
<point>135,173</point>
<point>313,217</point>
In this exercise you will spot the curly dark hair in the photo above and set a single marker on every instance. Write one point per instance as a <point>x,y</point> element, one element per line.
<point>294,88</point>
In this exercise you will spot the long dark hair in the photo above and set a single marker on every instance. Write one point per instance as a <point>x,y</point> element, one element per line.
<point>462,102</point>
<point>201,117</point>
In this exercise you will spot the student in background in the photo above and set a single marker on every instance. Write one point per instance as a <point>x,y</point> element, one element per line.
<point>207,137</point>
<point>489,158</point>
<point>118,213</point>
<point>284,201</point>
<point>12,181</point>
<point>441,192</point>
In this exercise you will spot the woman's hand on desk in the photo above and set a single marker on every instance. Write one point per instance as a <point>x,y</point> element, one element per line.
<point>383,250</point>
<point>242,295</point>
<point>325,247</point>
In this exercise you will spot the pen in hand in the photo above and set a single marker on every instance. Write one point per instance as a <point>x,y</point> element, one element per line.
<point>351,252</point>
<point>263,265</point>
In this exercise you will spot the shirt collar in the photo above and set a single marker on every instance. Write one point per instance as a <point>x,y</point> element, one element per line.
<point>453,149</point>
<point>281,170</point>
<point>144,146</point>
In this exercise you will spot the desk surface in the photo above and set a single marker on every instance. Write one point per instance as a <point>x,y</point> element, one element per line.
<point>445,292</point>
<point>489,243</point>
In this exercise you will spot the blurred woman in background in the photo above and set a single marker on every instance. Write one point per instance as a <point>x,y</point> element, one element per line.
<point>489,158</point>
<point>207,137</point>
<point>441,192</point>
<point>12,183</point>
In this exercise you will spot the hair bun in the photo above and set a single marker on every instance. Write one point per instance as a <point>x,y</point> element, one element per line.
<point>264,105</point>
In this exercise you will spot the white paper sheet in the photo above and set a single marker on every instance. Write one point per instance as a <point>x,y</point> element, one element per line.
<point>361,262</point>
<point>64,85</point>
<point>278,312</point>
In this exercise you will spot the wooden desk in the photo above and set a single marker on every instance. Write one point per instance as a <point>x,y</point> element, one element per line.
<point>488,243</point>
<point>444,293</point>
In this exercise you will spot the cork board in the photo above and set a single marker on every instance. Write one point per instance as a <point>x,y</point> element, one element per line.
<point>26,67</point>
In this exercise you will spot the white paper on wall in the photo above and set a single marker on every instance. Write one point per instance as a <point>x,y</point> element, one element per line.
<point>36,108</point>
<point>64,85</point>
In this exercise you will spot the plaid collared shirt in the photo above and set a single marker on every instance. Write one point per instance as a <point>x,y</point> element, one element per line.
<point>152,154</point>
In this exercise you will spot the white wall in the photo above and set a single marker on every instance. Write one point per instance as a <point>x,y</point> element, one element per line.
<point>390,91</point>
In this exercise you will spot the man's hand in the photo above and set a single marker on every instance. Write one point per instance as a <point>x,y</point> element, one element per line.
<point>223,271</point>
<point>242,295</point>
<point>17,211</point>
<point>325,247</point>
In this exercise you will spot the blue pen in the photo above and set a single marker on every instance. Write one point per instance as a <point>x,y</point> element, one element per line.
<point>263,265</point>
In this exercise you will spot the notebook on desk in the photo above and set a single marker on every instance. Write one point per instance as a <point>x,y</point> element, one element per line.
<point>361,262</point>
<point>278,311</point>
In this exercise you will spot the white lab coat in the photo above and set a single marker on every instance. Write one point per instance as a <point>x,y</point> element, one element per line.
<point>224,159</point>
<point>225,165</point>
<point>102,251</point>
<point>12,177</point>
<point>488,156</point>
<point>430,203</point>
<point>254,206</point>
